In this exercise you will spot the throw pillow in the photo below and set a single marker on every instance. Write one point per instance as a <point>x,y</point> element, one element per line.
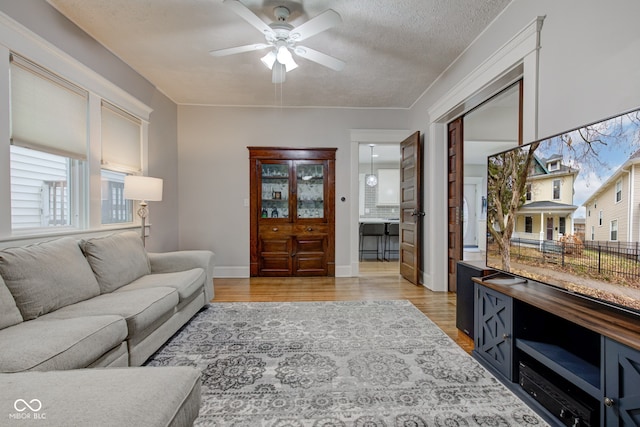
<point>117,259</point>
<point>47,276</point>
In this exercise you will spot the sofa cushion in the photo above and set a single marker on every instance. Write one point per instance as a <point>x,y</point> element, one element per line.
<point>47,276</point>
<point>117,259</point>
<point>45,345</point>
<point>9,313</point>
<point>187,283</point>
<point>142,397</point>
<point>141,308</point>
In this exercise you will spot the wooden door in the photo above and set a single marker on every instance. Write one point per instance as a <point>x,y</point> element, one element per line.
<point>410,233</point>
<point>455,188</point>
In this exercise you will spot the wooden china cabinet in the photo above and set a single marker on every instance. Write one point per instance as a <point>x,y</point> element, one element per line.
<point>292,211</point>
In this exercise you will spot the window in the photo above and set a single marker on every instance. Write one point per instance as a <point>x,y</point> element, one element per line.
<point>556,189</point>
<point>121,155</point>
<point>115,209</point>
<point>48,147</point>
<point>600,216</point>
<point>528,224</point>
<point>40,189</point>
<point>554,165</point>
<point>593,233</point>
<point>614,229</point>
<point>528,192</point>
<point>618,191</point>
<point>562,225</point>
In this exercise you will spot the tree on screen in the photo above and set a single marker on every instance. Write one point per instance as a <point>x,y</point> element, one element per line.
<point>506,180</point>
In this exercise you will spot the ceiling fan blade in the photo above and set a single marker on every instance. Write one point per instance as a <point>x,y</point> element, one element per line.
<point>238,49</point>
<point>245,13</point>
<point>320,58</point>
<point>324,21</point>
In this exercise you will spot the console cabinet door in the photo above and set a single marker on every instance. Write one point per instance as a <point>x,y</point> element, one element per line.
<point>493,329</point>
<point>622,385</point>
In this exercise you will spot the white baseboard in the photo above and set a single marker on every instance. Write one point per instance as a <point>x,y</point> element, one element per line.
<point>344,271</point>
<point>231,272</point>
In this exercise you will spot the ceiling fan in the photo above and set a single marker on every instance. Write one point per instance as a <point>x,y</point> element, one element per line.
<point>282,39</point>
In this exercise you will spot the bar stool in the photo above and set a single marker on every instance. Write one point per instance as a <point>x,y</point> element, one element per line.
<point>372,230</point>
<point>393,230</point>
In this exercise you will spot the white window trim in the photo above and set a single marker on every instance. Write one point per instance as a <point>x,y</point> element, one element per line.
<point>15,37</point>
<point>615,191</point>
<point>553,185</point>
<point>617,229</point>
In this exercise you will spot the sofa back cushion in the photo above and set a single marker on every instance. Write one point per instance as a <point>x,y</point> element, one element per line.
<point>47,276</point>
<point>117,259</point>
<point>9,313</point>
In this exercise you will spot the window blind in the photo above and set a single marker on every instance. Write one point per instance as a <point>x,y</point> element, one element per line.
<point>47,112</point>
<point>121,143</point>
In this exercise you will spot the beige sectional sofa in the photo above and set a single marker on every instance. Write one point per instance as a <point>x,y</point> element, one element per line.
<point>96,303</point>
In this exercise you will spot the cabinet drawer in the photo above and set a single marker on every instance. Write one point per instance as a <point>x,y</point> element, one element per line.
<point>276,231</point>
<point>310,229</point>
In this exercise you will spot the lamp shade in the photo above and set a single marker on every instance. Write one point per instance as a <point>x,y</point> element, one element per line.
<point>142,188</point>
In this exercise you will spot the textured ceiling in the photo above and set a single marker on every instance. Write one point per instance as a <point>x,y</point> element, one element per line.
<point>394,49</point>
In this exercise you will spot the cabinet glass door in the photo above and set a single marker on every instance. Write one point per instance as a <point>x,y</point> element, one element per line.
<point>275,190</point>
<point>310,190</point>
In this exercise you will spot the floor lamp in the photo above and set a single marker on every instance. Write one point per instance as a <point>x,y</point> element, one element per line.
<point>145,189</point>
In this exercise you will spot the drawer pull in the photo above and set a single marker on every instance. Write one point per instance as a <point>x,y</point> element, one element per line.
<point>274,229</point>
<point>309,229</point>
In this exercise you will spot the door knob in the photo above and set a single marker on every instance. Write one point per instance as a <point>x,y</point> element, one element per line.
<point>609,402</point>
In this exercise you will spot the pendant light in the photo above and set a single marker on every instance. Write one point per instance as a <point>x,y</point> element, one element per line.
<point>372,180</point>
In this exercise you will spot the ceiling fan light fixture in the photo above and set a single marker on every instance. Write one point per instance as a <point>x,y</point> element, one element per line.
<point>269,59</point>
<point>284,57</point>
<point>278,73</point>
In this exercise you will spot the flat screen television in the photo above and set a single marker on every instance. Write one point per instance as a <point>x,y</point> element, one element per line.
<point>565,211</point>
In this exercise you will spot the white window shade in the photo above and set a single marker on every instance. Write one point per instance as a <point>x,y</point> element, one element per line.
<point>47,112</point>
<point>121,142</point>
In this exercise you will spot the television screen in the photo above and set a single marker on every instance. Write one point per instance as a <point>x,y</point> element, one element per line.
<point>565,211</point>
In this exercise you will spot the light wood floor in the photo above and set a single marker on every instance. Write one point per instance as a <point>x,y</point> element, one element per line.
<point>377,281</point>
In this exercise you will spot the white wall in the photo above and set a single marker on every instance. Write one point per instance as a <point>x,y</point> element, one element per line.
<point>39,17</point>
<point>588,67</point>
<point>214,170</point>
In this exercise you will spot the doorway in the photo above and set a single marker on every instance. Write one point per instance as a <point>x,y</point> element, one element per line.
<point>361,138</point>
<point>378,207</point>
<point>491,127</point>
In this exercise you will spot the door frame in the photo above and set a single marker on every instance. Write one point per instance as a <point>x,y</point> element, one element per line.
<point>363,136</point>
<point>517,59</point>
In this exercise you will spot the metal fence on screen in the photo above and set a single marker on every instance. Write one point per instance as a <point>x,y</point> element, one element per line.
<point>603,258</point>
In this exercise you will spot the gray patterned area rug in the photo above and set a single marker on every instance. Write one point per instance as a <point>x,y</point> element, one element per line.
<point>329,364</point>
